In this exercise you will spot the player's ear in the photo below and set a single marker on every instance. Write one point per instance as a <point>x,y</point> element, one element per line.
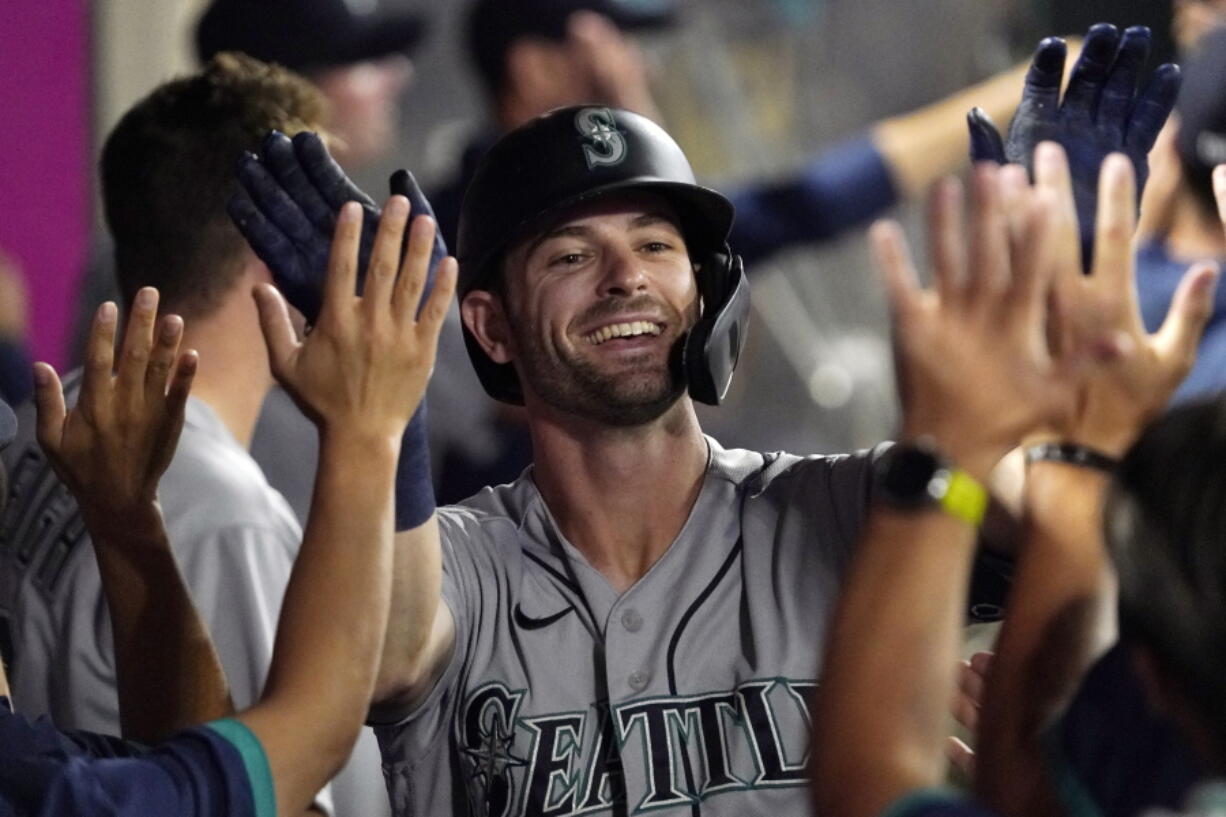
<point>485,317</point>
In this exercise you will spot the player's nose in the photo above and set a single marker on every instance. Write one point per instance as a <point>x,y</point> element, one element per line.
<point>623,272</point>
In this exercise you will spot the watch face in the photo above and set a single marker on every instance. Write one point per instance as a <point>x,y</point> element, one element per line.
<point>906,475</point>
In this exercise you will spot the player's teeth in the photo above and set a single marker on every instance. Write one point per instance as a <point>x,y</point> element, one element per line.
<point>624,330</point>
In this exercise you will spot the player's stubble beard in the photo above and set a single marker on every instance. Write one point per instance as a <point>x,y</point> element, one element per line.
<point>640,392</point>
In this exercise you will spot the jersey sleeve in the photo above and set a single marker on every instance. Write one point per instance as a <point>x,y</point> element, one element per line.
<point>844,186</point>
<point>204,772</point>
<point>23,737</point>
<point>841,487</point>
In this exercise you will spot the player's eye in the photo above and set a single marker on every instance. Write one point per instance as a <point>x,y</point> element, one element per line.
<point>657,246</point>
<point>569,259</point>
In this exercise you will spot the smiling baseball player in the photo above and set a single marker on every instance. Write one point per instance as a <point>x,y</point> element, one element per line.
<point>631,625</point>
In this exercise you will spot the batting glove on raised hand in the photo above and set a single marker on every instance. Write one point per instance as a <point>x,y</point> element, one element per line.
<point>294,190</point>
<point>1102,113</point>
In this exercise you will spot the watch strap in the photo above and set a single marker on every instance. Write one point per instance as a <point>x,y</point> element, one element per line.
<point>1071,454</point>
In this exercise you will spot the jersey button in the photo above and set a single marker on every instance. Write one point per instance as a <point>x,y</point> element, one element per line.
<point>632,621</point>
<point>638,680</point>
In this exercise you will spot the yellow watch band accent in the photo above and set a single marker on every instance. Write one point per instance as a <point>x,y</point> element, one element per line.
<point>964,497</point>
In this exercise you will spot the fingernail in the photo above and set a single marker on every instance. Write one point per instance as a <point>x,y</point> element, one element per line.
<point>1049,56</point>
<point>171,327</point>
<point>107,312</point>
<point>147,298</point>
<point>350,211</point>
<point>41,377</point>
<point>397,206</point>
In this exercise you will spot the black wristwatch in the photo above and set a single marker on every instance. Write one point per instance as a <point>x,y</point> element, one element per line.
<point>914,476</point>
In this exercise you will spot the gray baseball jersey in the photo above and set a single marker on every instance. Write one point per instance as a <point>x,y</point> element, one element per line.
<point>234,538</point>
<point>687,692</point>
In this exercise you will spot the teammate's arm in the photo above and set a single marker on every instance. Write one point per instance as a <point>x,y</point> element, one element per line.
<point>845,185</point>
<point>420,630</point>
<point>1061,613</point>
<point>975,375</point>
<point>110,450</point>
<point>292,192</point>
<point>359,375</point>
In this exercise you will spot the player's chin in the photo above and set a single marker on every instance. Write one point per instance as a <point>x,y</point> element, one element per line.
<point>641,398</point>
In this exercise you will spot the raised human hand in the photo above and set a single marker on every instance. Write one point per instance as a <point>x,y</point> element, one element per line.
<point>114,445</point>
<point>364,366</point>
<point>288,213</point>
<point>968,700</point>
<point>610,63</point>
<point>974,369</point>
<point>1101,113</point>
<point>1116,400</point>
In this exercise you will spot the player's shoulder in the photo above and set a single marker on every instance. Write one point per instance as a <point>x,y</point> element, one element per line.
<point>213,484</point>
<point>777,470</point>
<point>496,512</point>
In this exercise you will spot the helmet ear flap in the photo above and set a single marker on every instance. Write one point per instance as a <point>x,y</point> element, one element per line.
<point>714,343</point>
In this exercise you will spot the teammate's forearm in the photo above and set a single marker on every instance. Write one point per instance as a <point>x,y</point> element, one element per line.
<point>1060,619</point>
<point>924,145</point>
<point>419,626</point>
<point>167,672</point>
<point>890,667</point>
<point>333,618</point>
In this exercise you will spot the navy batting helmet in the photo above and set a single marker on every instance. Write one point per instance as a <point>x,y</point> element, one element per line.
<point>577,154</point>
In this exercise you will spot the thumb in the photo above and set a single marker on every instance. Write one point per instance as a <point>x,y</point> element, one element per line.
<point>276,327</point>
<point>1190,310</point>
<point>49,400</point>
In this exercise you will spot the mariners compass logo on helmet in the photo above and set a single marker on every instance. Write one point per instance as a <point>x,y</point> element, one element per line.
<point>605,145</point>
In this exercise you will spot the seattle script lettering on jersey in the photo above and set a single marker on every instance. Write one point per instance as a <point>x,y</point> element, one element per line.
<point>570,763</point>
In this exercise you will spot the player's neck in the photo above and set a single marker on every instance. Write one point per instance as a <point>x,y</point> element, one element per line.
<point>233,378</point>
<point>620,495</point>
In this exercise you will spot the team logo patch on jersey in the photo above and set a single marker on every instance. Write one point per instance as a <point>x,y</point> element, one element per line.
<point>604,145</point>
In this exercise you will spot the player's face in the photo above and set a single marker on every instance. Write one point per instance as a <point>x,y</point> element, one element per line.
<point>598,304</point>
<point>365,101</point>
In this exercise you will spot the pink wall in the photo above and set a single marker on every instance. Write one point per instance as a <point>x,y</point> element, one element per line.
<point>45,172</point>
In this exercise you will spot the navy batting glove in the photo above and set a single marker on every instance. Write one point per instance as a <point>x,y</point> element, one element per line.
<point>293,192</point>
<point>1102,113</point>
<point>288,214</point>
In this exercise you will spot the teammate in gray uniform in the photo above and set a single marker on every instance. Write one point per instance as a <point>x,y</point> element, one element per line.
<point>166,177</point>
<point>635,623</point>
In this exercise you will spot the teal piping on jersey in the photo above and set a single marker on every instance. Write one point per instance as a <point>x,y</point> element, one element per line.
<point>259,775</point>
<point>917,799</point>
